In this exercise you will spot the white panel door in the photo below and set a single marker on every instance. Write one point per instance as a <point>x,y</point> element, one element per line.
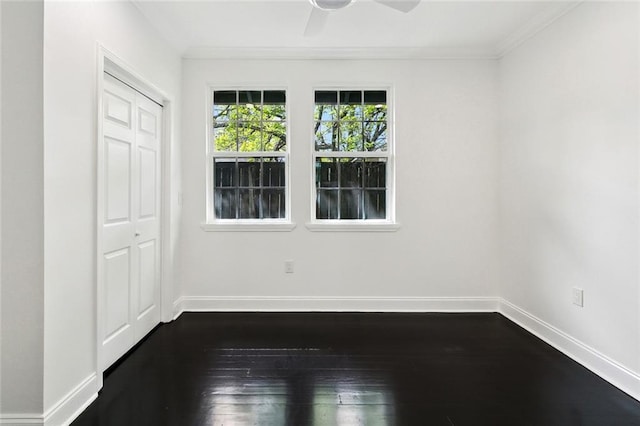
<point>130,302</point>
<point>147,209</point>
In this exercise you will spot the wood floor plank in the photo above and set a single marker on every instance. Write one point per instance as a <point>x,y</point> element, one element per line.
<point>343,369</point>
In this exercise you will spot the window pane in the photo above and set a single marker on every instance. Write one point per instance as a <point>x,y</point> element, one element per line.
<point>326,136</point>
<point>326,108</point>
<point>274,97</point>
<point>375,112</point>
<point>351,136</point>
<point>250,113</point>
<point>224,173</point>
<point>249,137</point>
<point>375,136</point>
<point>351,175</point>
<point>373,97</point>
<point>274,113</point>
<point>350,112</point>
<point>225,137</point>
<point>375,204</point>
<point>273,203</point>
<point>253,97</point>
<point>375,173</point>
<point>250,126</point>
<point>248,172</point>
<point>249,105</point>
<point>274,135</point>
<point>224,105</point>
<point>224,113</point>
<point>350,106</point>
<point>325,112</point>
<point>273,170</point>
<point>224,201</point>
<point>351,204</point>
<point>259,192</point>
<point>225,97</point>
<point>326,172</point>
<point>375,105</point>
<point>274,105</point>
<point>249,206</point>
<point>327,204</point>
<point>326,97</point>
<point>350,97</point>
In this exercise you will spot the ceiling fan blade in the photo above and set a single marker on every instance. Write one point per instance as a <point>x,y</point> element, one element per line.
<point>316,22</point>
<point>401,5</point>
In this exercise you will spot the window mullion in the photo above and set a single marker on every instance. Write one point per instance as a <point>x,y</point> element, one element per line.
<point>350,154</point>
<point>249,154</point>
<point>260,189</point>
<point>339,181</point>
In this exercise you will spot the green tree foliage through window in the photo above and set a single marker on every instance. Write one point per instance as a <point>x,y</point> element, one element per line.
<point>348,121</point>
<point>249,121</point>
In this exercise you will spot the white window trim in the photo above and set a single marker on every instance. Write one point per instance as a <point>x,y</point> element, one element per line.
<point>249,225</point>
<point>244,225</point>
<point>357,225</point>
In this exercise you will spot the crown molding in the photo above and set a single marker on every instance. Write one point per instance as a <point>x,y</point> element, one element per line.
<point>336,53</point>
<point>512,41</point>
<point>534,26</point>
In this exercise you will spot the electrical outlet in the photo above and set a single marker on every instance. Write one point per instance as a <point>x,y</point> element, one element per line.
<point>288,266</point>
<point>578,296</point>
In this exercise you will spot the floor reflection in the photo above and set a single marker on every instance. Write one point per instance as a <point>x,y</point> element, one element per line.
<point>253,386</point>
<point>352,401</point>
<point>248,401</point>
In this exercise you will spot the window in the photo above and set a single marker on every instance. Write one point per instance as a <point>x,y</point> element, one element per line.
<point>352,156</point>
<point>248,156</point>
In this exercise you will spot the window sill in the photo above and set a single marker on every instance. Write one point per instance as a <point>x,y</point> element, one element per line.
<point>234,226</point>
<point>352,226</point>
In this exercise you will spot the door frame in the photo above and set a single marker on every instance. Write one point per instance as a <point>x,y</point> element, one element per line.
<point>111,63</point>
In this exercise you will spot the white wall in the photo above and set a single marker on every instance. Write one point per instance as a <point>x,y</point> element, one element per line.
<point>71,33</point>
<point>569,177</point>
<point>446,146</point>
<point>559,183</point>
<point>22,208</point>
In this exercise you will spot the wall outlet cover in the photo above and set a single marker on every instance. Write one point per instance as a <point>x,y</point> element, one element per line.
<point>288,266</point>
<point>578,296</point>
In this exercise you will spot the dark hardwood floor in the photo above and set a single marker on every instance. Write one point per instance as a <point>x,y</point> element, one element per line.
<point>301,369</point>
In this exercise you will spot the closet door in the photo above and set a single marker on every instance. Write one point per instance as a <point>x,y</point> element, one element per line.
<point>130,302</point>
<point>146,214</point>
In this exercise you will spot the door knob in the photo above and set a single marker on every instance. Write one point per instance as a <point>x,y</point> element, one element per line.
<point>137,234</point>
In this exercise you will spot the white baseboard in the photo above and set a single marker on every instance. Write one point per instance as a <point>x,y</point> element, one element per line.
<point>21,419</point>
<point>63,412</point>
<point>600,364</point>
<point>334,304</point>
<point>72,404</point>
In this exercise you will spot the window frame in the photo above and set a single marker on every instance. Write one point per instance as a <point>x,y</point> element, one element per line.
<point>238,224</point>
<point>388,224</point>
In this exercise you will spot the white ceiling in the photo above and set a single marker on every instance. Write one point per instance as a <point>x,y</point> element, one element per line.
<point>434,28</point>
